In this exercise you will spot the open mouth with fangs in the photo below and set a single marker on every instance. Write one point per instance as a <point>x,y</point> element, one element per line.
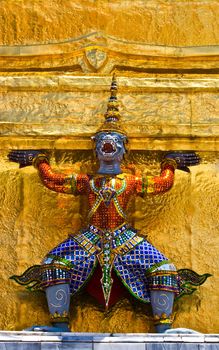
<point>108,147</point>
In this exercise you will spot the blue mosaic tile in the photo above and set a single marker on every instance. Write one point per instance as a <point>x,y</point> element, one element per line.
<point>131,267</point>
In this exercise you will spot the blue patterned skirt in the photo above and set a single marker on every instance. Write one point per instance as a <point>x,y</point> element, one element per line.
<point>133,262</point>
<point>137,263</point>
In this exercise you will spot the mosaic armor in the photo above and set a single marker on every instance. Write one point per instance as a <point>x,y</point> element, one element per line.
<point>108,238</point>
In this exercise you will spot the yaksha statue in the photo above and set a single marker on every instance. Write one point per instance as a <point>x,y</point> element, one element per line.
<point>108,256</point>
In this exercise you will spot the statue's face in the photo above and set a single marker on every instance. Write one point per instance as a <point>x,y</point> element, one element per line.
<point>110,146</point>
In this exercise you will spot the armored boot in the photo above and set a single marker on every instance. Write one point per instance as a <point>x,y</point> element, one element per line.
<point>162,307</point>
<point>163,285</point>
<point>58,299</point>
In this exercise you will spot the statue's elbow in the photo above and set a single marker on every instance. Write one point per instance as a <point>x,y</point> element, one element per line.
<point>168,186</point>
<point>47,184</point>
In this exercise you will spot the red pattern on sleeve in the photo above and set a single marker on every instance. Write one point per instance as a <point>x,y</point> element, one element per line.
<point>72,184</point>
<point>164,182</point>
<point>54,181</point>
<point>156,184</point>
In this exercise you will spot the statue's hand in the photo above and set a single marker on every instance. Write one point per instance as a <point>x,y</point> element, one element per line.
<point>23,157</point>
<point>184,160</point>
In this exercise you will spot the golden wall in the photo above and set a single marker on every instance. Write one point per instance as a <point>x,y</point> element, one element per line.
<point>56,63</point>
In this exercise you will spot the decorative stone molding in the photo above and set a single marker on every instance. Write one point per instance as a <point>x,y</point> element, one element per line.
<point>98,52</point>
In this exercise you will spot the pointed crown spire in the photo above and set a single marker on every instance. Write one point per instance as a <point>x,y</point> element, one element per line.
<point>112,115</point>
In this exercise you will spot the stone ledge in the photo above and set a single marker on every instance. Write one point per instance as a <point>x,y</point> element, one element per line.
<point>102,40</point>
<point>100,341</point>
<point>136,144</point>
<point>68,82</point>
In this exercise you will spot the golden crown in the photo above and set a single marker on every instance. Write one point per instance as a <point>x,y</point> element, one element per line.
<point>112,115</point>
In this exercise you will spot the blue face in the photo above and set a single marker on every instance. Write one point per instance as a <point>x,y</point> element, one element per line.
<point>110,146</point>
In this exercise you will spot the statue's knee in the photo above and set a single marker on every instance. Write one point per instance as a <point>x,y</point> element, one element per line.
<point>47,261</point>
<point>52,260</point>
<point>166,267</point>
<point>163,278</point>
<point>54,272</point>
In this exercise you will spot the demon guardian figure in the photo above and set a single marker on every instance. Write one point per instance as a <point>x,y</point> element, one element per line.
<point>108,255</point>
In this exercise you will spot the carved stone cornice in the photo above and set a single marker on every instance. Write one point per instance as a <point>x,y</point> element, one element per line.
<point>98,52</point>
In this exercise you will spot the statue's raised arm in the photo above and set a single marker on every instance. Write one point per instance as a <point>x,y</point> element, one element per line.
<point>58,182</point>
<point>160,184</point>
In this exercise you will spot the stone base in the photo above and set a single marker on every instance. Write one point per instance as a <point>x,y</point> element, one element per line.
<point>106,341</point>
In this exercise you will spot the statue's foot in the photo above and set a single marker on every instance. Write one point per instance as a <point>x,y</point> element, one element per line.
<point>162,328</point>
<point>38,328</point>
<point>181,331</point>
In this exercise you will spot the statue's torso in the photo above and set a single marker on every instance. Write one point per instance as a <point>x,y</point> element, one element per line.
<point>108,199</point>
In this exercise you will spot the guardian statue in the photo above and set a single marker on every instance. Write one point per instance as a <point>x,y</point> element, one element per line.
<point>108,255</point>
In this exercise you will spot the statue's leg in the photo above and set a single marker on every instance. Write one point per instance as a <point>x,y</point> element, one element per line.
<point>163,286</point>
<point>58,299</point>
<point>63,274</point>
<point>64,270</point>
<point>162,307</point>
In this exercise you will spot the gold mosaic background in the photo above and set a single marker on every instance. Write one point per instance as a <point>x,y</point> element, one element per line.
<point>56,63</point>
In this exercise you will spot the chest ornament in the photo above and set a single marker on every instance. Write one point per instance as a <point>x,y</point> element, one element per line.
<point>107,192</point>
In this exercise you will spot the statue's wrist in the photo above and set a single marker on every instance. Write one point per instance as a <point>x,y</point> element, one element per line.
<point>168,162</point>
<point>39,159</point>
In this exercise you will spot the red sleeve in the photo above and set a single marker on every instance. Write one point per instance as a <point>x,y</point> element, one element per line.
<point>157,184</point>
<point>72,184</point>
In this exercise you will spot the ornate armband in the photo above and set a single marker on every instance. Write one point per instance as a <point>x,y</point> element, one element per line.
<point>168,161</point>
<point>39,158</point>
<point>163,319</point>
<point>59,317</point>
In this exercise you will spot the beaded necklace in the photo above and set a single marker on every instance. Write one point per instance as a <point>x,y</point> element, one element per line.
<point>103,186</point>
<point>106,194</point>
